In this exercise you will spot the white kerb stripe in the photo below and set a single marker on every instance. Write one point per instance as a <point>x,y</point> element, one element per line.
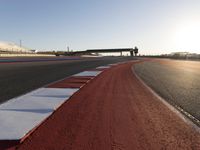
<point>103,67</point>
<point>87,73</point>
<point>20,115</point>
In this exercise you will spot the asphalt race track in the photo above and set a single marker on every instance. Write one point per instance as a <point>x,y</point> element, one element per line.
<point>107,107</point>
<point>21,75</point>
<point>114,111</point>
<point>176,81</point>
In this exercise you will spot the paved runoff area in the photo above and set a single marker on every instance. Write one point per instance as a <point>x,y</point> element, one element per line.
<point>177,81</point>
<point>105,108</point>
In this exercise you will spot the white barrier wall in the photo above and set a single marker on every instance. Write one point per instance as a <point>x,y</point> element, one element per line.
<point>33,55</point>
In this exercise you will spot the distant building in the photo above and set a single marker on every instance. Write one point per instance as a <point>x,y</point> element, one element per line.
<point>179,53</point>
<point>185,55</point>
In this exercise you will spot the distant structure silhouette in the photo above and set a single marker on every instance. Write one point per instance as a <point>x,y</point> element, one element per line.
<point>132,51</point>
<point>136,51</point>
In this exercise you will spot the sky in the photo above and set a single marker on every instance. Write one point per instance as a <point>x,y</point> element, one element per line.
<point>154,26</point>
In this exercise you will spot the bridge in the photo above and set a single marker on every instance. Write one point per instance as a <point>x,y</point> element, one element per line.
<point>132,51</point>
<point>115,50</point>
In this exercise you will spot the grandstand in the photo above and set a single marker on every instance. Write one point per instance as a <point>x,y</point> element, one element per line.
<point>12,48</point>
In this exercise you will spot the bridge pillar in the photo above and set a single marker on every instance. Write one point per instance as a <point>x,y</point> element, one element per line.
<point>131,53</point>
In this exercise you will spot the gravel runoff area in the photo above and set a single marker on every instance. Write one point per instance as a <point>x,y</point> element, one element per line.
<point>114,111</point>
<point>178,82</point>
<point>19,78</point>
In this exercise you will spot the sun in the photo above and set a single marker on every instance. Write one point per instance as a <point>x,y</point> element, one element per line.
<point>187,37</point>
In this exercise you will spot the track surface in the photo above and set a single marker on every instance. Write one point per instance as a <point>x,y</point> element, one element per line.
<point>176,81</point>
<point>114,112</point>
<point>27,74</point>
<point>35,59</point>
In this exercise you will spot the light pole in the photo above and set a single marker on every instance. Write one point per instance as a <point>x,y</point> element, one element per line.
<point>68,49</point>
<point>20,43</point>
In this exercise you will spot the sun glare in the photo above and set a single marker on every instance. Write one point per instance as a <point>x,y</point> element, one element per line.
<point>187,37</point>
